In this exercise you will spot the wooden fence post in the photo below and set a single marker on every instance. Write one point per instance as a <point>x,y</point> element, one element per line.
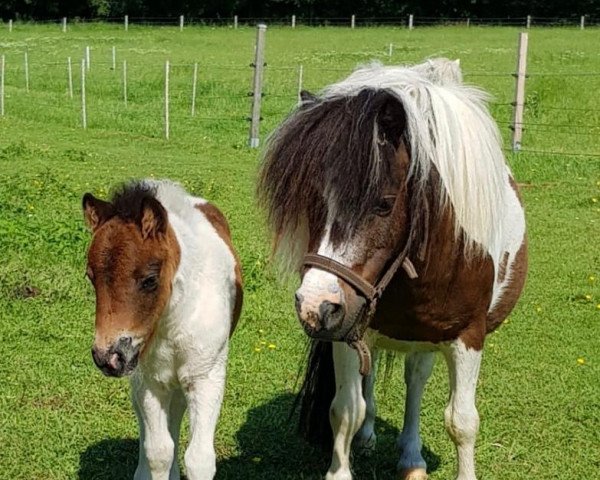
<point>64,24</point>
<point>83,105</point>
<point>167,99</point>
<point>181,20</point>
<point>519,103</point>
<point>126,20</point>
<point>235,22</point>
<point>2,60</point>
<point>293,21</point>
<point>528,21</point>
<point>259,64</point>
<point>411,21</point>
<point>353,21</point>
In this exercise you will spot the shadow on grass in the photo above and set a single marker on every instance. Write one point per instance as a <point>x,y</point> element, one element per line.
<point>268,446</point>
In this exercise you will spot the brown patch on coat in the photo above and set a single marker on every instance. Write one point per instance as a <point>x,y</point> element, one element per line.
<point>502,267</point>
<point>219,223</point>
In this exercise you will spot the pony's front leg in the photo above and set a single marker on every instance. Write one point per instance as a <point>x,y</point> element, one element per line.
<point>462,419</point>
<point>156,445</point>
<point>204,397</point>
<point>176,412</point>
<point>347,411</point>
<point>417,369</point>
<point>366,439</point>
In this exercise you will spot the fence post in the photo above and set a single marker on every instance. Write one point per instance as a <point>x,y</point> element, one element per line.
<point>353,21</point>
<point>10,25</point>
<point>528,21</point>
<point>235,22</point>
<point>2,86</point>
<point>300,79</point>
<point>519,102</point>
<point>410,21</point>
<point>582,22</point>
<point>83,105</point>
<point>87,58</point>
<point>125,82</point>
<point>70,76</point>
<point>126,20</point>
<point>26,62</point>
<point>167,99</point>
<point>293,21</point>
<point>114,58</point>
<point>259,64</point>
<point>391,50</point>
<point>468,22</point>
<point>181,23</point>
<point>194,83</point>
<point>64,24</point>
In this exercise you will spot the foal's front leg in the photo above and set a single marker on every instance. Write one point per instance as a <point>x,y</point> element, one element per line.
<point>156,445</point>
<point>204,397</point>
<point>347,411</point>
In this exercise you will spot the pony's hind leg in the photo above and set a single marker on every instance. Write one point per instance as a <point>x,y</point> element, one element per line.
<point>204,397</point>
<point>365,439</point>
<point>347,411</point>
<point>417,369</point>
<point>462,419</point>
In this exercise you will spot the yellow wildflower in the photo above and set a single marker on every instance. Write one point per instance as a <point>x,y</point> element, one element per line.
<point>272,346</point>
<point>580,361</point>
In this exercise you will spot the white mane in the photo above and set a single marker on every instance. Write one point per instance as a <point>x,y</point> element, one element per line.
<point>450,128</point>
<point>174,198</point>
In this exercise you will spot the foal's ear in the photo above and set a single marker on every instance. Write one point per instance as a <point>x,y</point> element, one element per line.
<point>153,221</point>
<point>307,97</point>
<point>392,120</point>
<point>95,211</point>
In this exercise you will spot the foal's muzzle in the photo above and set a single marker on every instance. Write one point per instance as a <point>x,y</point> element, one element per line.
<point>118,360</point>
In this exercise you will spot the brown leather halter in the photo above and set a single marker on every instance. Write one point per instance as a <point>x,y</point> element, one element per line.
<point>371,293</point>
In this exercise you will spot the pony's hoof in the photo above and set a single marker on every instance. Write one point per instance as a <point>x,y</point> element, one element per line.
<point>413,474</point>
<point>364,446</point>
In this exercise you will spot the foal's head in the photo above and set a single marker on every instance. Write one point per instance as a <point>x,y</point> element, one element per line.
<point>336,173</point>
<point>131,263</point>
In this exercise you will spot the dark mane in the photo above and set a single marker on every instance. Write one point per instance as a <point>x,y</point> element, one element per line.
<point>331,144</point>
<point>129,198</point>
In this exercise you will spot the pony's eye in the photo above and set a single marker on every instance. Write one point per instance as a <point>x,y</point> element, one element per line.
<point>385,205</point>
<point>149,283</point>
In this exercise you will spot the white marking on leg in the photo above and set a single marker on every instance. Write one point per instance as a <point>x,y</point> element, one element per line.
<point>417,369</point>
<point>462,419</point>
<point>204,397</point>
<point>347,411</point>
<point>366,438</point>
<point>152,405</point>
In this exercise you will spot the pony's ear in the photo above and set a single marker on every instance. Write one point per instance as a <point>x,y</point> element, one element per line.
<point>392,120</point>
<point>95,211</point>
<point>307,97</point>
<point>153,221</point>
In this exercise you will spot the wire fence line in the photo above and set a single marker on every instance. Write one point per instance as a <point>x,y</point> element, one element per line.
<point>111,97</point>
<point>577,20</point>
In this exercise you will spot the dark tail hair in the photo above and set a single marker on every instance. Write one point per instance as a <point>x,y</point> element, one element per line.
<point>316,395</point>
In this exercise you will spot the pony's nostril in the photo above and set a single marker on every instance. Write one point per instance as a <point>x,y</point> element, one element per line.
<point>330,314</point>
<point>298,301</point>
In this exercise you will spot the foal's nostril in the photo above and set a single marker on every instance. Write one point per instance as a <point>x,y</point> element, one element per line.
<point>97,357</point>
<point>331,314</point>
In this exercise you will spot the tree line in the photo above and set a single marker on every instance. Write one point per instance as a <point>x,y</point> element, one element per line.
<point>53,9</point>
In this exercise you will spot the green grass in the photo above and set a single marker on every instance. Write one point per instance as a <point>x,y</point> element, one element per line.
<point>59,418</point>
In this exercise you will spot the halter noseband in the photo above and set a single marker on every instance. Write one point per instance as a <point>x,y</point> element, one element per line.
<point>371,293</point>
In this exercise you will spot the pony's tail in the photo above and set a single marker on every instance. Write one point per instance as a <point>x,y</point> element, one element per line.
<point>316,395</point>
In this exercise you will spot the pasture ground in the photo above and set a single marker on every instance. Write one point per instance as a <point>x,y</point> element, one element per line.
<point>539,391</point>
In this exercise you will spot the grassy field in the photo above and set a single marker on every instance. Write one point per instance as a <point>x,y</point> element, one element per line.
<point>539,392</point>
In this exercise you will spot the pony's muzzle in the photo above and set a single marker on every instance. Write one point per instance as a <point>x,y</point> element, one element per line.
<point>119,359</point>
<point>325,321</point>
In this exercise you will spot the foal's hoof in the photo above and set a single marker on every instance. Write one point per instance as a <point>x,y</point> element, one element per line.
<point>413,474</point>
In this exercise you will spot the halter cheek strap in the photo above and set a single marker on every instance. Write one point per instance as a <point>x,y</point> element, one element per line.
<point>371,293</point>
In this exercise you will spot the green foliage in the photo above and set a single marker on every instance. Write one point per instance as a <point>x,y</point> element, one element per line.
<point>538,395</point>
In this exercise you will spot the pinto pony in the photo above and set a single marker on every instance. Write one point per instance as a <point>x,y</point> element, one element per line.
<point>168,295</point>
<point>389,193</point>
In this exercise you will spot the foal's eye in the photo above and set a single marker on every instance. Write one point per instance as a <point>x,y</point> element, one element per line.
<point>385,205</point>
<point>149,283</point>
